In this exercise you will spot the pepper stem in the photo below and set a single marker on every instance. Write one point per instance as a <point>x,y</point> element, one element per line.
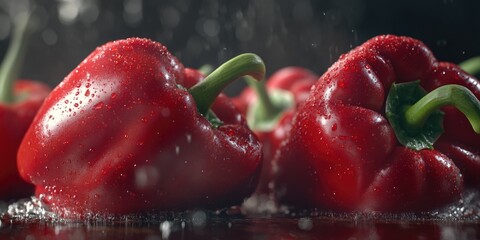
<point>10,68</point>
<point>454,95</point>
<point>267,108</point>
<point>471,66</point>
<point>206,91</point>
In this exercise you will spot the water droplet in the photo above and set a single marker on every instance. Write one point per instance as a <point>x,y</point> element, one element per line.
<point>98,106</point>
<point>146,177</point>
<point>199,218</point>
<point>177,149</point>
<point>305,224</point>
<point>113,95</point>
<point>165,228</point>
<point>87,93</point>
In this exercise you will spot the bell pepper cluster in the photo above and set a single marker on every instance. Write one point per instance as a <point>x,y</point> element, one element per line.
<point>386,128</point>
<point>130,130</point>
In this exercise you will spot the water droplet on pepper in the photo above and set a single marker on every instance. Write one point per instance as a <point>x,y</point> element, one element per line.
<point>98,106</point>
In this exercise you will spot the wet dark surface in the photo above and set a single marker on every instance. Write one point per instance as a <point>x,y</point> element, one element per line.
<point>30,219</point>
<point>245,228</point>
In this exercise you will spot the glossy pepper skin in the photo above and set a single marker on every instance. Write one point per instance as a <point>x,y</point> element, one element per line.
<point>15,118</point>
<point>121,134</point>
<point>19,101</point>
<point>286,89</point>
<point>343,154</point>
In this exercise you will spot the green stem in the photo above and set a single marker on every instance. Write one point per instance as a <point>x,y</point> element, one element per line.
<point>471,66</point>
<point>206,91</point>
<point>267,107</point>
<point>454,95</point>
<point>11,65</point>
<point>206,69</point>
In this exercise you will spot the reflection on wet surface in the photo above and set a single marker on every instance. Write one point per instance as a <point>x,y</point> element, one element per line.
<point>244,228</point>
<point>29,219</point>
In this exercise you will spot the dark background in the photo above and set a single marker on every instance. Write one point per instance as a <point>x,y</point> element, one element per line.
<point>305,33</point>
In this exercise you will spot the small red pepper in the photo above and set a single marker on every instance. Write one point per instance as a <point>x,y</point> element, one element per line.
<point>19,102</point>
<point>353,148</point>
<point>122,134</point>
<point>269,109</point>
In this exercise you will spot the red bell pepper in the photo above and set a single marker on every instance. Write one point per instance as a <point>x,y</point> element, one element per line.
<point>269,109</point>
<point>122,134</point>
<point>353,148</point>
<point>19,102</point>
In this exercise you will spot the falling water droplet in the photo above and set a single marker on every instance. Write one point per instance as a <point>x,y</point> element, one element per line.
<point>305,223</point>
<point>165,228</point>
<point>199,218</point>
<point>177,150</point>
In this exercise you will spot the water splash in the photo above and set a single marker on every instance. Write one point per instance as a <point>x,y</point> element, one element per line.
<point>33,209</point>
